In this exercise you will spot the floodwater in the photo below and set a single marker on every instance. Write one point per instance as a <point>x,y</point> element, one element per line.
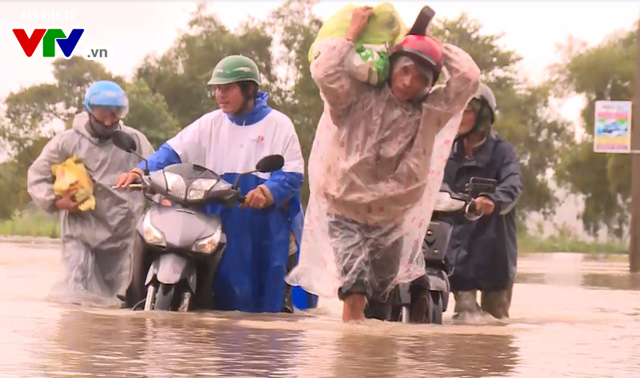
<point>571,316</point>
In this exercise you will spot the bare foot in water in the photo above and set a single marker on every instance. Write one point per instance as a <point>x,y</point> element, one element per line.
<point>353,308</point>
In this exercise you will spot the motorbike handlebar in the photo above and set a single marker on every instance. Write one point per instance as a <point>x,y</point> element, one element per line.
<point>130,187</point>
<point>241,198</point>
<point>471,208</point>
<point>470,211</point>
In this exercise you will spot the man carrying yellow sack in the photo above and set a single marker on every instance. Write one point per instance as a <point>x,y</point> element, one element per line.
<point>376,163</point>
<point>97,236</point>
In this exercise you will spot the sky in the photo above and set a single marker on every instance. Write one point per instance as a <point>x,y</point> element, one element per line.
<point>130,30</point>
<point>135,28</point>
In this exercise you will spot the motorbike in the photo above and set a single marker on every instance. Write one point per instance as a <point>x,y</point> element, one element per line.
<point>405,297</point>
<point>180,244</point>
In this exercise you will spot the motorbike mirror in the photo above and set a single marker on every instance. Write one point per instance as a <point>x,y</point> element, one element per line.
<point>270,163</point>
<point>123,141</point>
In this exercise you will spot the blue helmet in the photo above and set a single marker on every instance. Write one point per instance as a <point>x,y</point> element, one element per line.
<point>106,94</point>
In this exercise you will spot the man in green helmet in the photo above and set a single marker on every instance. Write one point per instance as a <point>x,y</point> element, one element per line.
<point>263,233</point>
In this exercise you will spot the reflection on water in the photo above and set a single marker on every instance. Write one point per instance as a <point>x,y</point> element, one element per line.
<point>95,344</point>
<point>170,345</point>
<point>86,343</point>
<point>626,282</point>
<point>358,354</point>
<point>570,315</point>
<point>588,280</point>
<point>570,269</point>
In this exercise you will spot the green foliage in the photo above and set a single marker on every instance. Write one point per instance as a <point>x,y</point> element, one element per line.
<point>181,74</point>
<point>493,60</point>
<point>297,94</point>
<point>13,178</point>
<point>534,244</point>
<point>26,112</point>
<point>149,113</point>
<point>34,223</point>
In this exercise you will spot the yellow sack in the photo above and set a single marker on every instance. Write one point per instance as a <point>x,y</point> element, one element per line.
<point>72,174</point>
<point>385,27</point>
<point>384,30</point>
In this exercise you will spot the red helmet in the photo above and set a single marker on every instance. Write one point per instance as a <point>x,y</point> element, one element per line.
<point>423,50</point>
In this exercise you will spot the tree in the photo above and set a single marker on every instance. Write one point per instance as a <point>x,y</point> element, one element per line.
<point>181,74</point>
<point>524,117</point>
<point>27,111</point>
<point>13,178</point>
<point>602,72</point>
<point>297,94</point>
<point>149,113</point>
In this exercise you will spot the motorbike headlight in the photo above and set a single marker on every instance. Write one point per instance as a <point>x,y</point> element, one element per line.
<point>445,203</point>
<point>151,234</point>
<point>175,184</point>
<point>199,188</point>
<point>208,245</point>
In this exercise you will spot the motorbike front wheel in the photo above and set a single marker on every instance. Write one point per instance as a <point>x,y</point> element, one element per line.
<point>164,297</point>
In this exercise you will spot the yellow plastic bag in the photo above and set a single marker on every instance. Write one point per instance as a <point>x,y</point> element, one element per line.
<point>384,30</point>
<point>72,174</point>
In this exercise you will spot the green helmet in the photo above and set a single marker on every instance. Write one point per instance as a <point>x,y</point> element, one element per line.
<point>233,69</point>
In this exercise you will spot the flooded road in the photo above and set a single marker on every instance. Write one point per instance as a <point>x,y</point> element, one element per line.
<point>571,316</point>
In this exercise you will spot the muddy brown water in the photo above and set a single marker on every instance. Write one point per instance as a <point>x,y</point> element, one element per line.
<point>572,315</point>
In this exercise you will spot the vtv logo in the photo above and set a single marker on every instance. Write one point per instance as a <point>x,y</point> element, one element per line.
<point>49,38</point>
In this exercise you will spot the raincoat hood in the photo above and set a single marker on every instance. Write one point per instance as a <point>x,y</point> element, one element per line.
<point>256,114</point>
<point>80,124</point>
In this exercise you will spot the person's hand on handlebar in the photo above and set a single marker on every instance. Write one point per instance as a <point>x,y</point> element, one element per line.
<point>484,205</point>
<point>258,198</point>
<point>128,178</point>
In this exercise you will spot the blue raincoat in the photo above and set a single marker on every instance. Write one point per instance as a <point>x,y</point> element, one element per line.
<point>251,274</point>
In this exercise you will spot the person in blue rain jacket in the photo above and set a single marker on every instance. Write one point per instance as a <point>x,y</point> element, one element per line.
<point>263,234</point>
